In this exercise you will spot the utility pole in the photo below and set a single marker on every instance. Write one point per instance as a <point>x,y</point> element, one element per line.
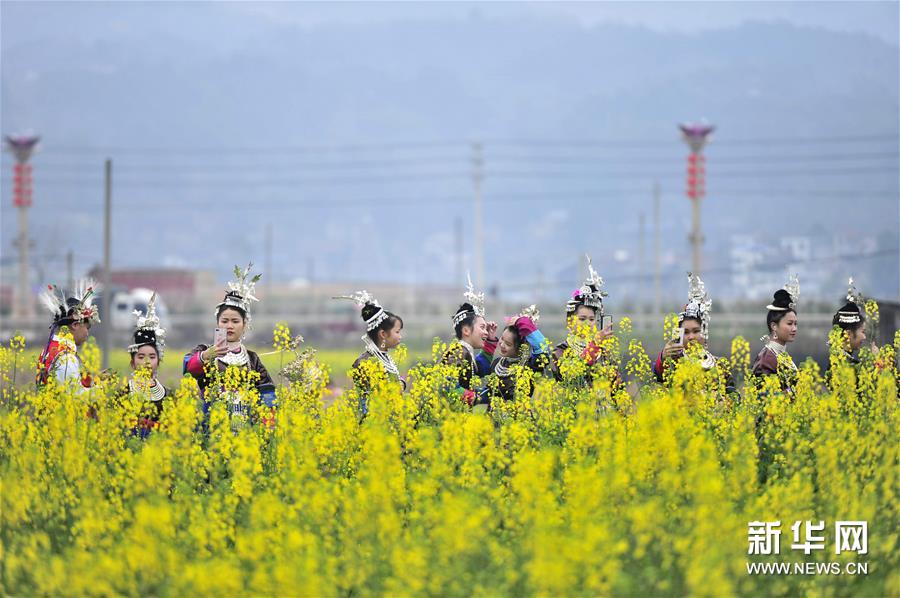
<point>107,273</point>
<point>696,135</point>
<point>541,284</point>
<point>477,179</point>
<point>657,286</point>
<point>311,282</point>
<point>642,265</point>
<point>70,270</point>
<point>582,269</point>
<point>458,248</point>
<point>22,148</point>
<point>268,266</point>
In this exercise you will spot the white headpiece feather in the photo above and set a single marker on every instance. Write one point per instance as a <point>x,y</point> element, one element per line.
<point>241,290</point>
<point>590,293</point>
<point>476,300</point>
<point>363,298</point>
<point>57,302</point>
<point>149,322</point>
<point>699,303</point>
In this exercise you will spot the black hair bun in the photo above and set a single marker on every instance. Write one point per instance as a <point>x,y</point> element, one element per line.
<point>465,307</point>
<point>368,311</point>
<point>782,299</point>
<point>240,310</point>
<point>145,337</point>
<point>850,306</point>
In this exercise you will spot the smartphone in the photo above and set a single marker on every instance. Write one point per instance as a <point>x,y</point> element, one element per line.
<point>220,336</point>
<point>679,336</point>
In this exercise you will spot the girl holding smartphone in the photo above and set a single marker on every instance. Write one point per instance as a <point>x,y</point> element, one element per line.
<point>692,335</point>
<point>207,363</point>
<point>585,333</point>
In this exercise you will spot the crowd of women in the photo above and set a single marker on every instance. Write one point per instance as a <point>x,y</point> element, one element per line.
<point>485,359</point>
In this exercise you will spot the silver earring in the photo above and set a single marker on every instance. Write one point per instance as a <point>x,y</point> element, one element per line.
<point>774,335</point>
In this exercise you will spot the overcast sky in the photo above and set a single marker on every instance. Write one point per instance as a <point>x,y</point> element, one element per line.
<point>876,18</point>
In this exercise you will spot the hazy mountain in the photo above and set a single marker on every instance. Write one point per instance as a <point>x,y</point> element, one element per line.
<point>206,110</point>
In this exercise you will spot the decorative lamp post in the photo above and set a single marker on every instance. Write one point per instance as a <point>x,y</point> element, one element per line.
<point>696,135</point>
<point>22,146</point>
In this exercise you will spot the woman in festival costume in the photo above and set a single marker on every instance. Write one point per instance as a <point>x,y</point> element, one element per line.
<point>583,342</point>
<point>473,350</point>
<point>206,363</point>
<point>851,320</point>
<point>73,317</point>
<point>383,333</point>
<point>146,353</point>
<point>692,337</point>
<point>781,321</point>
<point>520,345</point>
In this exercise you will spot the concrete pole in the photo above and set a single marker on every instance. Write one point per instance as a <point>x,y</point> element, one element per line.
<point>477,179</point>
<point>696,236</point>
<point>24,304</point>
<point>642,264</point>
<point>106,316</point>
<point>70,270</point>
<point>657,269</point>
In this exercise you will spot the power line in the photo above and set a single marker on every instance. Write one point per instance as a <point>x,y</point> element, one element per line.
<point>555,160</point>
<point>766,267</point>
<point>181,166</point>
<point>420,145</point>
<point>711,174</point>
<point>639,143</point>
<point>711,159</point>
<point>464,199</point>
<point>169,182</point>
<point>287,149</point>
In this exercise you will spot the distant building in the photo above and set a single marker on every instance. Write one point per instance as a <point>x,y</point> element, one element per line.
<point>179,287</point>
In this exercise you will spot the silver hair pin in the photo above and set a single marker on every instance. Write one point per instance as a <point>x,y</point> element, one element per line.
<point>363,298</point>
<point>699,303</point>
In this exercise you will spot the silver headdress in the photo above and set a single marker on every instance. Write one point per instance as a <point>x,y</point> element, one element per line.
<point>792,287</point>
<point>363,298</point>
<point>852,312</point>
<point>148,330</point>
<point>853,294</point>
<point>590,293</point>
<point>68,309</point>
<point>698,305</point>
<point>476,300</point>
<point>529,312</point>
<point>240,291</point>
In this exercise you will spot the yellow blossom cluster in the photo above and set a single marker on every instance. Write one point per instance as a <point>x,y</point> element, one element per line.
<point>603,483</point>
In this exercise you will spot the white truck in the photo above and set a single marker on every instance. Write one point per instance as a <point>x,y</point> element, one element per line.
<point>125,302</point>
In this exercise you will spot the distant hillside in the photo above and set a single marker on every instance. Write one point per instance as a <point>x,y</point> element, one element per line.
<point>216,82</point>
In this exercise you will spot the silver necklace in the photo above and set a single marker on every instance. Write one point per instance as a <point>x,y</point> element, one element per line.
<point>238,359</point>
<point>156,392</point>
<point>469,349</point>
<point>778,349</point>
<point>382,356</point>
<point>502,367</point>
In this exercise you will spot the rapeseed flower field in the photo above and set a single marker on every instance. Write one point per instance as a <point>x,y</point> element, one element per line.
<point>620,486</point>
